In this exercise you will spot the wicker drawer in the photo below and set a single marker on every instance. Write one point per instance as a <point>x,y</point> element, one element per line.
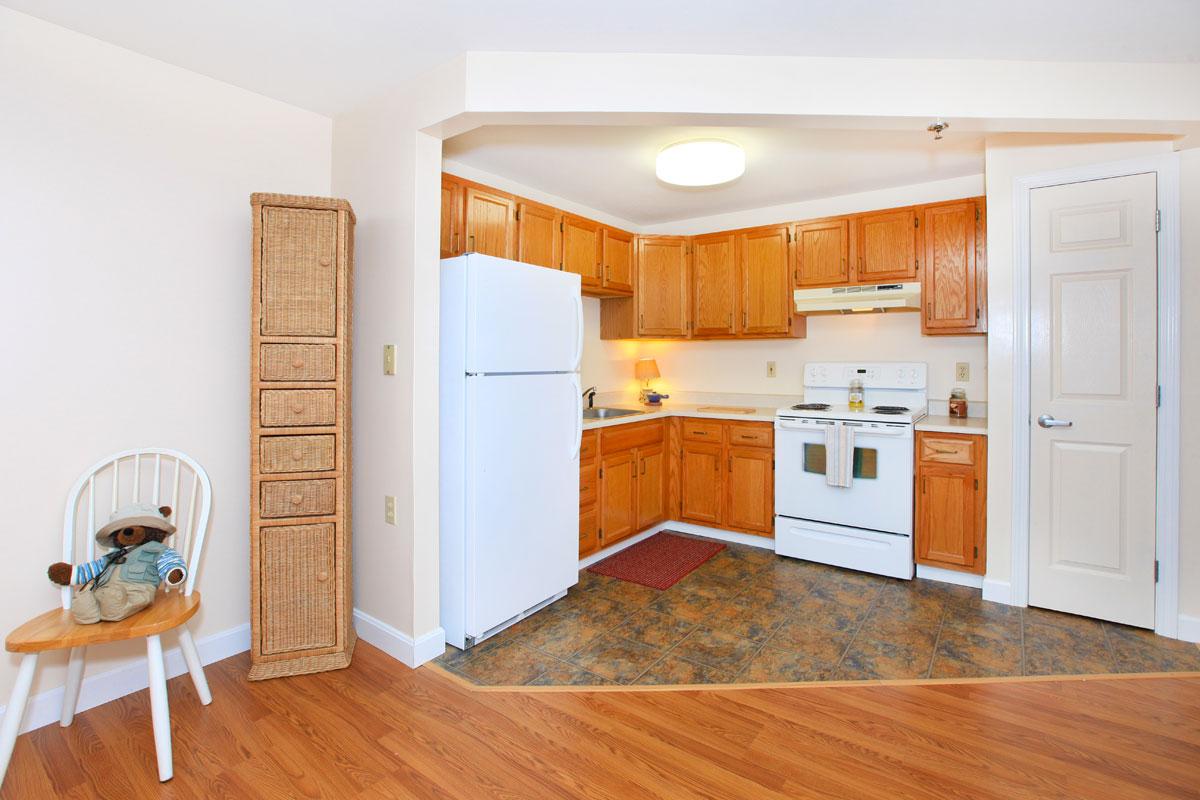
<point>290,407</point>
<point>298,362</point>
<point>299,498</point>
<point>947,451</point>
<point>298,587</point>
<point>296,453</point>
<point>701,430</point>
<point>752,435</point>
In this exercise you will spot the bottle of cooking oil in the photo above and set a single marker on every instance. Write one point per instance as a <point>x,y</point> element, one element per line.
<point>856,394</point>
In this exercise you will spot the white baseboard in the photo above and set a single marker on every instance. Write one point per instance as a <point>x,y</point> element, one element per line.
<point>997,591</point>
<point>46,707</point>
<point>1189,628</point>
<point>398,644</point>
<point>682,527</point>
<point>949,576</point>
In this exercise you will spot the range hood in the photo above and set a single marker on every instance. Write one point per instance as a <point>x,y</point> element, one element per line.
<point>847,299</point>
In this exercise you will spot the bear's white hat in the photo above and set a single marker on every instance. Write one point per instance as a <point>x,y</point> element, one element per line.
<point>146,514</point>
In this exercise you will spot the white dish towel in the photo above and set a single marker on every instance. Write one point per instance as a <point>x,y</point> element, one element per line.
<point>839,455</point>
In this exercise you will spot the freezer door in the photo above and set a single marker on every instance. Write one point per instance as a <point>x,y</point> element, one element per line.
<point>522,318</point>
<point>522,498</point>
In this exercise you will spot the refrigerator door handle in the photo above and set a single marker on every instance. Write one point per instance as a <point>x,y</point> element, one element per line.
<point>578,437</point>
<point>578,337</point>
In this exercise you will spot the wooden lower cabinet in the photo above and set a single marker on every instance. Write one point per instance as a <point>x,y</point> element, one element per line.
<point>589,493</point>
<point>951,530</point>
<point>651,486</point>
<point>727,475</point>
<point>750,489</point>
<point>701,480</point>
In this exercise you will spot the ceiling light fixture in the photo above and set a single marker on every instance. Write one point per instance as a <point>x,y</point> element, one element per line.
<point>700,162</point>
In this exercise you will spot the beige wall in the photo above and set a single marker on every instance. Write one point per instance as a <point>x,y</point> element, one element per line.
<point>1189,478</point>
<point>125,219</point>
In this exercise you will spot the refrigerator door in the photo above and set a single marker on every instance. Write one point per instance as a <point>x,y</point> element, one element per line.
<point>521,318</point>
<point>522,494</point>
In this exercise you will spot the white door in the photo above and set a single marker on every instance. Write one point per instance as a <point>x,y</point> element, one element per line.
<point>522,318</point>
<point>1093,385</point>
<point>522,494</point>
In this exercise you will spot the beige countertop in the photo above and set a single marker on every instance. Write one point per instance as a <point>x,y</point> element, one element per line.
<point>939,424</point>
<point>759,413</point>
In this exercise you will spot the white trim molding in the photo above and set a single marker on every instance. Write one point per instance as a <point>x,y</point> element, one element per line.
<point>926,572</point>
<point>412,652</point>
<point>1189,628</point>
<point>680,527</point>
<point>1166,169</point>
<point>46,707</point>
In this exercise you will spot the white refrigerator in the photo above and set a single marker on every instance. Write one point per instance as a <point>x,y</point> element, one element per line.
<point>511,423</point>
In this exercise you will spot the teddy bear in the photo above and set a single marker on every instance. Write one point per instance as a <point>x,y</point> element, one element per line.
<point>125,580</point>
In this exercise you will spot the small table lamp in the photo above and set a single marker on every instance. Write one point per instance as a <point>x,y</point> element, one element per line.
<point>645,370</point>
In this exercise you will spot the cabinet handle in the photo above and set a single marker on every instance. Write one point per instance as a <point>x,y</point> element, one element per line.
<point>297,363</point>
<point>322,576</point>
<point>730,320</point>
<point>929,310</point>
<point>297,455</point>
<point>745,320</point>
<point>297,499</point>
<point>470,242</point>
<point>641,322</point>
<point>325,262</point>
<point>297,409</point>
<point>731,463</point>
<point>643,466</point>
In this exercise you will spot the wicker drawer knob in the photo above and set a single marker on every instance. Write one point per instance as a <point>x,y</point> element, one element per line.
<point>297,362</point>
<point>322,576</point>
<point>297,499</point>
<point>297,455</point>
<point>325,262</point>
<point>297,408</point>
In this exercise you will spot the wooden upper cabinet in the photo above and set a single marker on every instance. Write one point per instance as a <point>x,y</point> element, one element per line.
<point>538,235</point>
<point>452,217</point>
<point>887,246</point>
<point>714,285</point>
<point>581,249</point>
<point>766,288</point>
<point>823,252</point>
<point>949,282</point>
<point>662,286</point>
<point>616,258</point>
<point>750,489</point>
<point>491,223</point>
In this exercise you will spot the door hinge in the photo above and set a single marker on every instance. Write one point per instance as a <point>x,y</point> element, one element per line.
<point>1158,396</point>
<point>916,222</point>
<point>977,313</point>
<point>517,213</point>
<point>977,213</point>
<point>602,472</point>
<point>976,552</point>
<point>560,227</point>
<point>1157,220</point>
<point>977,484</point>
<point>1156,571</point>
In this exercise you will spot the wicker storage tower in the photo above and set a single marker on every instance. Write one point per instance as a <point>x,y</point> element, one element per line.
<point>300,584</point>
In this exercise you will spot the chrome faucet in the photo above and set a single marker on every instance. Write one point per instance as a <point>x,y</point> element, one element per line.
<point>590,394</point>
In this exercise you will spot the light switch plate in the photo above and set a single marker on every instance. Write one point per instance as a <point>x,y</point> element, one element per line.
<point>770,369</point>
<point>389,509</point>
<point>962,371</point>
<point>389,359</point>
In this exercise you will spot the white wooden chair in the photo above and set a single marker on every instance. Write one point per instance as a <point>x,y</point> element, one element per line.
<point>125,477</point>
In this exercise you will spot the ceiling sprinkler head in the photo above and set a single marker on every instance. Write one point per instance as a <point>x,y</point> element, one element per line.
<point>936,127</point>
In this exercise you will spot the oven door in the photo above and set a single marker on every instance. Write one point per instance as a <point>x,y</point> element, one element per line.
<point>880,497</point>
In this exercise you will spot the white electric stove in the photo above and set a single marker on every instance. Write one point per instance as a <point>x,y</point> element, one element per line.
<point>868,524</point>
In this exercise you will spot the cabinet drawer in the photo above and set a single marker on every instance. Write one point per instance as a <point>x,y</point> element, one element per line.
<point>299,498</point>
<point>290,407</point>
<point>296,453</point>
<point>752,435</point>
<point>589,484</point>
<point>297,362</point>
<point>587,446</point>
<point>623,437</point>
<point>947,451</point>
<point>297,587</point>
<point>702,430</point>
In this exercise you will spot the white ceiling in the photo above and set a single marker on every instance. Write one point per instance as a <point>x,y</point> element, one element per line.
<point>330,56</point>
<point>611,169</point>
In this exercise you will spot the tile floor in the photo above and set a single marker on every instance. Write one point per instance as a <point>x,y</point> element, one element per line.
<point>749,616</point>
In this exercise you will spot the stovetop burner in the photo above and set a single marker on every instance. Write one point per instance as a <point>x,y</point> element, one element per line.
<point>890,409</point>
<point>811,407</point>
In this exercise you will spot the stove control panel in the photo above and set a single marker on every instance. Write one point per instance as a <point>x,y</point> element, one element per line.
<point>874,375</point>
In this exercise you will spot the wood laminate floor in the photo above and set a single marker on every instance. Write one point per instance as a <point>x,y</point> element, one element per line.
<point>381,730</point>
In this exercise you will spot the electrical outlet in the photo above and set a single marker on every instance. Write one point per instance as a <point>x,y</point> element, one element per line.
<point>770,369</point>
<point>389,509</point>
<point>962,372</point>
<point>389,359</point>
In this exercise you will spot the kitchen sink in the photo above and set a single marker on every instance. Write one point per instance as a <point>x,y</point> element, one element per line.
<point>609,413</point>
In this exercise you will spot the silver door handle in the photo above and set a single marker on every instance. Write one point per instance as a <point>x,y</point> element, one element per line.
<point>1047,421</point>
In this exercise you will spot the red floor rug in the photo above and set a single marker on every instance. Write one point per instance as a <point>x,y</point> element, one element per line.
<point>659,562</point>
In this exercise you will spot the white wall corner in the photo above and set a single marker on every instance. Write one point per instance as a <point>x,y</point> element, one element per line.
<point>105,687</point>
<point>398,644</point>
<point>998,591</point>
<point>1189,628</point>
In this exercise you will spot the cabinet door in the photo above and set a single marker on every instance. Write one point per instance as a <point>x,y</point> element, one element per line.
<point>296,569</point>
<point>701,481</point>
<point>452,217</point>
<point>946,519</point>
<point>652,486</point>
<point>948,284</point>
<point>822,253</point>
<point>618,496</point>
<point>887,246</point>
<point>538,238</point>
<point>589,542</point>
<point>766,290</point>
<point>617,260</point>
<point>299,272</point>
<point>750,489</point>
<point>581,249</point>
<point>714,285</point>
<point>662,286</point>
<point>491,222</point>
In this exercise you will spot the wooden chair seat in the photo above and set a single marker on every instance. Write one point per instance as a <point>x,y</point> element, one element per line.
<point>57,629</point>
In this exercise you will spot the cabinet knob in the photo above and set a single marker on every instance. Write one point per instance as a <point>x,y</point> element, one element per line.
<point>322,576</point>
<point>297,362</point>
<point>325,262</point>
<point>297,455</point>
<point>297,499</point>
<point>297,408</point>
